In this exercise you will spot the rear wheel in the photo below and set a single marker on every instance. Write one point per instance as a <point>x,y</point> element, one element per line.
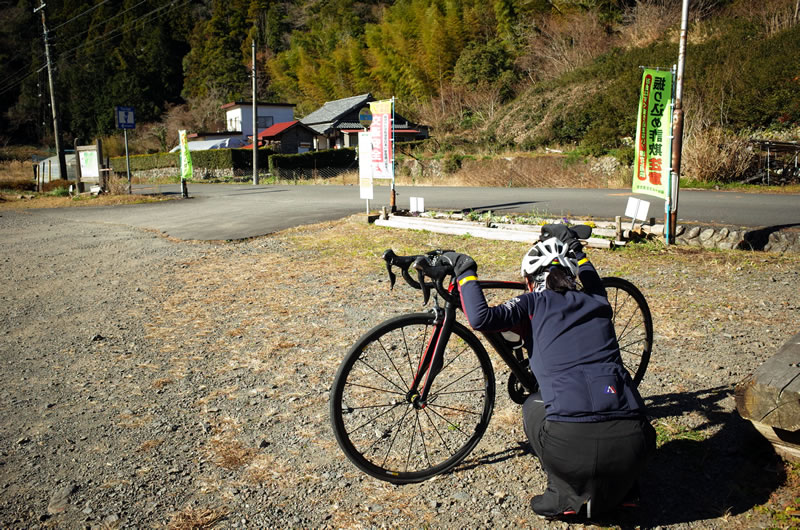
<point>382,429</point>
<point>633,324</point>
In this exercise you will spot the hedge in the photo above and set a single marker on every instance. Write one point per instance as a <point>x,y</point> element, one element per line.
<point>210,159</point>
<point>343,157</point>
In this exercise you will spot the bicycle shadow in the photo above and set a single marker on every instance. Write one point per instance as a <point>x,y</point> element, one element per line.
<point>690,480</point>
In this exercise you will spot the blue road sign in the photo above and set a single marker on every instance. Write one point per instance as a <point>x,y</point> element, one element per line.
<point>124,118</point>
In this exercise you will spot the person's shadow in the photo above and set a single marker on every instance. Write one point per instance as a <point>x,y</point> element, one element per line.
<point>692,478</point>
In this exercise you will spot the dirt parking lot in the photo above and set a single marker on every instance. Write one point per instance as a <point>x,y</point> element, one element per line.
<point>151,382</point>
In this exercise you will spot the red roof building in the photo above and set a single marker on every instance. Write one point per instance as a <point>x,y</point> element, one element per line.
<point>287,137</point>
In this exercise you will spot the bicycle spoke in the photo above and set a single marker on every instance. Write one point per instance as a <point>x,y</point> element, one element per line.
<point>629,344</point>
<point>453,409</point>
<point>393,365</point>
<point>365,363</point>
<point>384,390</point>
<point>625,332</point>
<point>374,418</point>
<point>411,445</point>
<point>422,439</point>
<point>351,409</point>
<point>457,380</point>
<point>476,391</point>
<point>447,447</point>
<point>621,333</point>
<point>386,352</point>
<point>396,432</point>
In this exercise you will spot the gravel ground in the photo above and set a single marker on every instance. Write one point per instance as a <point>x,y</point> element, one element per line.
<point>150,382</point>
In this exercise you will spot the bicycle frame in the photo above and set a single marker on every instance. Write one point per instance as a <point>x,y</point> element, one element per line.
<point>432,359</point>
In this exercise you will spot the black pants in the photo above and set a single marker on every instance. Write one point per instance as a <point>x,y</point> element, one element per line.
<point>598,461</point>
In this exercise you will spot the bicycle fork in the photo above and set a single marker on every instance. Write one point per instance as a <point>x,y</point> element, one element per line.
<point>433,358</point>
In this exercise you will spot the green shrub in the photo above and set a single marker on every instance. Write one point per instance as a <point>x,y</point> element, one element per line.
<point>452,163</point>
<point>625,155</point>
<point>59,192</point>
<point>210,159</point>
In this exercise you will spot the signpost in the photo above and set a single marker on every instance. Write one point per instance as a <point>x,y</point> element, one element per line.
<point>365,167</point>
<point>186,162</point>
<point>382,136</point>
<point>88,159</point>
<point>124,118</point>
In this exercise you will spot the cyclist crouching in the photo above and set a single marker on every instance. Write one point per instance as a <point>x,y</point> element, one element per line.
<point>587,423</point>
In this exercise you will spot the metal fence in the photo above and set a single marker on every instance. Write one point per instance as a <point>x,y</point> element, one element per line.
<point>316,174</point>
<point>777,162</point>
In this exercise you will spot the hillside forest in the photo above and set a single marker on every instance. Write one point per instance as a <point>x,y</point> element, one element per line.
<point>488,76</point>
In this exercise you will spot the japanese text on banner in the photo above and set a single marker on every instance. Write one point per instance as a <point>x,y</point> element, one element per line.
<point>653,135</point>
<point>186,156</point>
<point>381,136</point>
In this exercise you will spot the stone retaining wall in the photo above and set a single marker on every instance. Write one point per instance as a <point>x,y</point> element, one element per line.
<point>771,239</point>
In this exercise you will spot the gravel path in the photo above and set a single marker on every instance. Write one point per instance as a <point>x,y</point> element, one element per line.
<point>153,382</point>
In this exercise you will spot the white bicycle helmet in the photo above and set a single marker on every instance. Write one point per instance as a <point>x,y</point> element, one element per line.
<point>545,253</point>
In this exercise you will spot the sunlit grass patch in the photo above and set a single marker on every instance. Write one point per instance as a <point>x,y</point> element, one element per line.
<point>667,431</point>
<point>191,518</point>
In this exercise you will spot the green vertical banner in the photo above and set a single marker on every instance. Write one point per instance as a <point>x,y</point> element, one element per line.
<point>654,135</point>
<point>186,157</point>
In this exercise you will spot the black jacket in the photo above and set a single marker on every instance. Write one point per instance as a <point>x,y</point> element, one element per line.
<point>575,355</point>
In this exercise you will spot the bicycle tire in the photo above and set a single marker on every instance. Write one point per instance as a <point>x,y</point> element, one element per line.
<point>374,421</point>
<point>633,325</point>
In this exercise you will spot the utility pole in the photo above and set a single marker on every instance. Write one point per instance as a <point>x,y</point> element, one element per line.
<point>255,119</point>
<point>677,126</point>
<point>62,162</point>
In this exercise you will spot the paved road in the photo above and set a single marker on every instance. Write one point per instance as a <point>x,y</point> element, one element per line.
<point>231,211</point>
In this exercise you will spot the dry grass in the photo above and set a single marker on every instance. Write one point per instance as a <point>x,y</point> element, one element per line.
<point>162,382</point>
<point>16,175</point>
<point>15,201</point>
<point>231,454</point>
<point>265,469</point>
<point>191,518</point>
<point>249,306</point>
<point>149,445</point>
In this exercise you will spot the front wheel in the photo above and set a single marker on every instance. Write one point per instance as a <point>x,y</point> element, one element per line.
<point>633,324</point>
<point>379,425</point>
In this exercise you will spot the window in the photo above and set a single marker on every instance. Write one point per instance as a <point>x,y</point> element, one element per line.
<point>265,121</point>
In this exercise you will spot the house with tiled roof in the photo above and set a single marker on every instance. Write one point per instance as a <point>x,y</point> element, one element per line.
<point>336,123</point>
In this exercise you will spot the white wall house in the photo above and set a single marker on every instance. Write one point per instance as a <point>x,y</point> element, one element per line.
<point>239,116</point>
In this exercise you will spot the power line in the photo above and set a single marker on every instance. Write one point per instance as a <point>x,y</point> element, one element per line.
<point>98,40</point>
<point>124,28</point>
<point>106,21</point>
<point>80,15</point>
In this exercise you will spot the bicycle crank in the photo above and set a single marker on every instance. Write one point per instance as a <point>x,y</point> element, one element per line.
<point>516,390</point>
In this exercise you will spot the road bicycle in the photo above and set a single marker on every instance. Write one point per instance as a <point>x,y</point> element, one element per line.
<point>414,395</point>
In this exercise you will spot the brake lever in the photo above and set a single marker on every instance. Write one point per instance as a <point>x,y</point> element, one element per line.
<point>426,290</point>
<point>387,257</point>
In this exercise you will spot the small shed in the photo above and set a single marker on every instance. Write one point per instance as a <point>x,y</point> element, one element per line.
<point>287,137</point>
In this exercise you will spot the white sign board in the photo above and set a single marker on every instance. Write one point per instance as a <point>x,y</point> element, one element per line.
<point>89,164</point>
<point>365,165</point>
<point>637,208</point>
